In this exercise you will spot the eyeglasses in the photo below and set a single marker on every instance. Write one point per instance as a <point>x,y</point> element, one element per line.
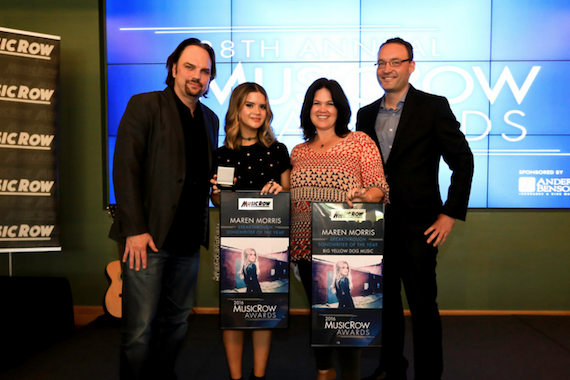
<point>394,63</point>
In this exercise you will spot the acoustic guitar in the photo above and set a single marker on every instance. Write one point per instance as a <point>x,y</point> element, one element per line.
<point>113,300</point>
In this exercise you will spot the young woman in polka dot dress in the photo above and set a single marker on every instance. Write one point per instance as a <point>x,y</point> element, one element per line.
<point>261,163</point>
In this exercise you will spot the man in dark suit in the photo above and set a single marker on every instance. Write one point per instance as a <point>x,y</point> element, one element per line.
<point>161,171</point>
<point>413,130</point>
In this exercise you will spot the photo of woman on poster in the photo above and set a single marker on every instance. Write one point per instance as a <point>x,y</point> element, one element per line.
<point>247,263</point>
<point>347,282</point>
<point>250,270</point>
<point>342,285</point>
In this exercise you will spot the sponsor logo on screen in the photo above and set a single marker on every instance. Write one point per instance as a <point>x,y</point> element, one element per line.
<point>255,204</point>
<point>527,185</point>
<point>543,185</point>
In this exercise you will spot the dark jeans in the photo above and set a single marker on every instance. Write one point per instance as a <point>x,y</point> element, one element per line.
<point>348,358</point>
<point>408,259</point>
<point>156,304</point>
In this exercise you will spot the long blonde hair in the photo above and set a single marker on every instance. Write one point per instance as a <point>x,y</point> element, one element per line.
<point>245,261</point>
<point>265,134</point>
<point>338,276</point>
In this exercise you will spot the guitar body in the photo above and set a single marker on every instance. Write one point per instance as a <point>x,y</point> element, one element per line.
<point>113,300</point>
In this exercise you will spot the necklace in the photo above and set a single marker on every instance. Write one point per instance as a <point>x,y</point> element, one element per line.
<point>249,138</point>
<point>330,142</point>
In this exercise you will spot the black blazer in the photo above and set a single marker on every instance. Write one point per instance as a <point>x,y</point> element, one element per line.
<point>149,166</point>
<point>427,131</point>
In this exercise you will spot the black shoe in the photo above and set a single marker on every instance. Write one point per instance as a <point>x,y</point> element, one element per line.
<point>253,377</point>
<point>377,375</point>
<point>383,376</point>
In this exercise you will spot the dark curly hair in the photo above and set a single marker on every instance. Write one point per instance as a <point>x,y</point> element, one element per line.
<point>340,102</point>
<point>175,56</point>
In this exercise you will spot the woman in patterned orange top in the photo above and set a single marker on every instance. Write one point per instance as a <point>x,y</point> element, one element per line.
<point>332,165</point>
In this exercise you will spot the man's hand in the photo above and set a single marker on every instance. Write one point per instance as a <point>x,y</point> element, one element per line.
<point>135,250</point>
<point>215,195</point>
<point>440,229</point>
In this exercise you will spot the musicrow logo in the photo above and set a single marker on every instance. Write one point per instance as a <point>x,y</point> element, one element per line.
<point>255,204</point>
<point>25,48</point>
<point>23,140</point>
<point>26,232</point>
<point>25,94</point>
<point>24,186</point>
<point>348,215</point>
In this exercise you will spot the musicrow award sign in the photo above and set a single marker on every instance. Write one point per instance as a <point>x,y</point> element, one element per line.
<point>347,247</point>
<point>254,260</point>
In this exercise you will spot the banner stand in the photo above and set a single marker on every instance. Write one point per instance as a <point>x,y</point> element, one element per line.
<point>29,98</point>
<point>23,250</point>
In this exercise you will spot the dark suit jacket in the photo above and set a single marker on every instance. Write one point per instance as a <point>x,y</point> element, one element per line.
<point>427,131</point>
<point>149,166</point>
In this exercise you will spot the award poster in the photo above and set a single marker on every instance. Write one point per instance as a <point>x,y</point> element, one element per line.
<point>347,248</point>
<point>254,260</point>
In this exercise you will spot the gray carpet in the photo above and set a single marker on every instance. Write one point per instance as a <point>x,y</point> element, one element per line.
<point>475,347</point>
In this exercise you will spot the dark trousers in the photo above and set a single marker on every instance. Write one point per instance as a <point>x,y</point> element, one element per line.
<point>348,358</point>
<point>408,259</point>
<point>156,304</point>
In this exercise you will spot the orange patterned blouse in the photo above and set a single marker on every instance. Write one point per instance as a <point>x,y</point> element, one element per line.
<point>326,177</point>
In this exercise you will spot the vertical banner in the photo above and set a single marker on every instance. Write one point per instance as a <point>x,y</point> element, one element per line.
<point>254,260</point>
<point>347,256</point>
<point>29,79</point>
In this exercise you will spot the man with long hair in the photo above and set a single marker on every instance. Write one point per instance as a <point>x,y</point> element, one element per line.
<point>162,192</point>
